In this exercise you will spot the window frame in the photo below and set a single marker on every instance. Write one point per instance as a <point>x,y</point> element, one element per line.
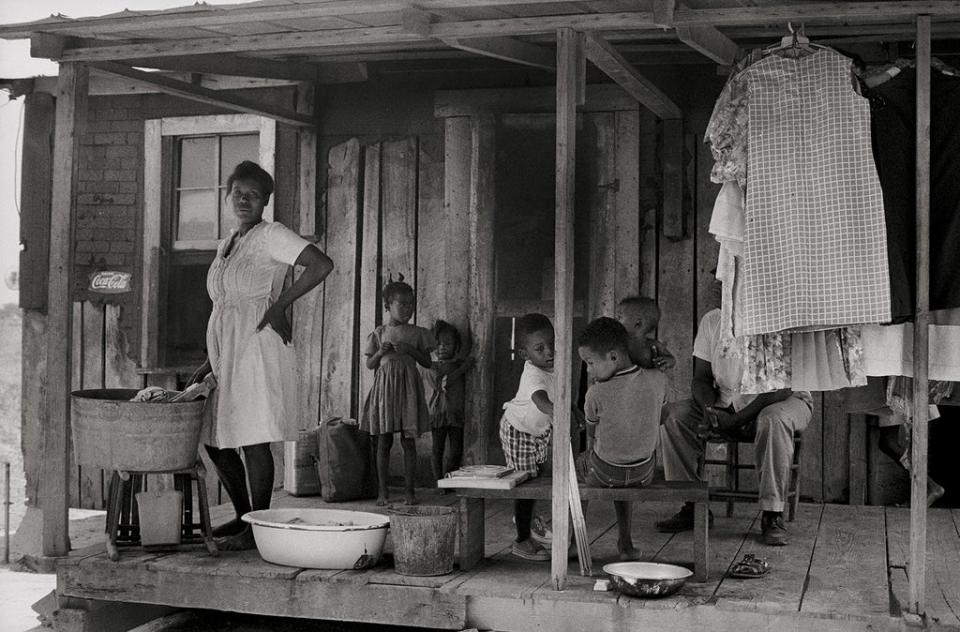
<point>155,130</point>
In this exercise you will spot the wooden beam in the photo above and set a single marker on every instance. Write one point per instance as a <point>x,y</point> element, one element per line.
<point>71,114</point>
<point>599,98</point>
<point>194,17</point>
<point>233,65</point>
<point>672,163</point>
<point>482,286</point>
<point>507,49</point>
<point>738,15</point>
<point>505,27</point>
<point>711,42</point>
<point>416,21</point>
<point>607,59</point>
<point>102,84</point>
<point>921,332</point>
<point>846,11</point>
<point>205,95</point>
<point>569,79</point>
<point>35,183</point>
<point>307,189</point>
<point>663,12</point>
<point>457,152</point>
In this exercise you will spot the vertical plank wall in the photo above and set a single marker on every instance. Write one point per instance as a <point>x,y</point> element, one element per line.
<point>100,360</point>
<point>405,223</point>
<point>395,207</point>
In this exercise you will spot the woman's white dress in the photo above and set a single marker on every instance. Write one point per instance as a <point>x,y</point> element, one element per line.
<point>255,371</point>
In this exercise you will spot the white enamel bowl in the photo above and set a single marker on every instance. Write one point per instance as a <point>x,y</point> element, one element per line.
<point>647,579</point>
<point>319,538</point>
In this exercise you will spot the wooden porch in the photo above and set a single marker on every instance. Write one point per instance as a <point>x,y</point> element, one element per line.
<point>845,569</point>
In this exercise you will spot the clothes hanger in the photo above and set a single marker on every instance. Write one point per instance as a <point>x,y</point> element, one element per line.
<point>796,44</point>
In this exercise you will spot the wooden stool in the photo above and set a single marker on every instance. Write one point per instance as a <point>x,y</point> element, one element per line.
<point>123,521</point>
<point>732,463</point>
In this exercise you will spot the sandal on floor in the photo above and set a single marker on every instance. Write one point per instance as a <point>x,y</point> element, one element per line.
<point>749,567</point>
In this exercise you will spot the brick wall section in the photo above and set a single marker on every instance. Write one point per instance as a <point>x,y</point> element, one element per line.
<point>110,189</point>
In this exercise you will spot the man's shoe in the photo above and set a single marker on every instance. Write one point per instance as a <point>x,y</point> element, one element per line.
<point>772,531</point>
<point>681,521</point>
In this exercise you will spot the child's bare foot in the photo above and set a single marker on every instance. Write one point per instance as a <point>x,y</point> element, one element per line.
<point>935,491</point>
<point>382,500</point>
<point>242,541</point>
<point>233,527</point>
<point>410,499</point>
<point>629,554</point>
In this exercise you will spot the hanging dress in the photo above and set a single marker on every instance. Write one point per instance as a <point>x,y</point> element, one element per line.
<point>255,370</point>
<point>815,244</point>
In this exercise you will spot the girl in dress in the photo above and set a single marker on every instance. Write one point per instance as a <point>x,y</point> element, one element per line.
<point>396,402</point>
<point>444,385</point>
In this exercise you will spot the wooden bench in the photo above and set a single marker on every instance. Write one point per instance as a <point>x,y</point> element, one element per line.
<point>472,508</point>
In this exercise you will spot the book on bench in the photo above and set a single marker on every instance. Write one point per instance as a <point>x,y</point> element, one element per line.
<point>483,477</point>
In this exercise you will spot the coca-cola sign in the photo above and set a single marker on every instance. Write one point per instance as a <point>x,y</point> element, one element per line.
<point>110,282</point>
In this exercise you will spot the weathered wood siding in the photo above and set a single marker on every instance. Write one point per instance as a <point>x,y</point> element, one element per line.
<point>412,178</point>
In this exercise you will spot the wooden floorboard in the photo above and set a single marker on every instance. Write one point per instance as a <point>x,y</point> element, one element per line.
<point>782,587</point>
<point>848,551</point>
<point>943,567</point>
<point>848,573</point>
<point>727,537</point>
<point>943,562</point>
<point>504,574</point>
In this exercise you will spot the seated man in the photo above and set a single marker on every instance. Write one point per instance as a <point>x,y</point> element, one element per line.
<point>719,410</point>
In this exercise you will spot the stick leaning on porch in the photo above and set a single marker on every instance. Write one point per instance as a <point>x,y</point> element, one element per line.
<point>579,524</point>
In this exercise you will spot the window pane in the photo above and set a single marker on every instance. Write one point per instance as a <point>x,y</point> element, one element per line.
<point>197,217</point>
<point>236,149</point>
<point>228,221</point>
<point>197,162</point>
<point>188,308</point>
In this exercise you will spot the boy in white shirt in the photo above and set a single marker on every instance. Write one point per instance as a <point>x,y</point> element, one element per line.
<point>527,421</point>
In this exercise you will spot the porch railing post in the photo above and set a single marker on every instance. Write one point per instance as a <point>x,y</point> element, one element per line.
<point>570,90</point>
<point>55,473</point>
<point>918,456</point>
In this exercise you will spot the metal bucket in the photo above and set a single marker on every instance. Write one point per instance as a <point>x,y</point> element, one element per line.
<point>424,540</point>
<point>113,433</point>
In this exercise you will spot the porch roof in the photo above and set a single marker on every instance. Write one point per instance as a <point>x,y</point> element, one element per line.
<point>312,32</point>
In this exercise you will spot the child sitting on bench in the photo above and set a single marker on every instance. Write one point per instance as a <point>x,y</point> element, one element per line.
<point>622,409</point>
<point>527,422</point>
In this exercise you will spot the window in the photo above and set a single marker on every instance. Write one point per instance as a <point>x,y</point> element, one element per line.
<point>187,163</point>
<point>202,215</point>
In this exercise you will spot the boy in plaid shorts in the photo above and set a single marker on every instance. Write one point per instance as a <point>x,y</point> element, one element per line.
<point>527,421</point>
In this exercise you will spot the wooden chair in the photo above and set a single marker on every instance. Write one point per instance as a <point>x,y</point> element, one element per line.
<point>732,492</point>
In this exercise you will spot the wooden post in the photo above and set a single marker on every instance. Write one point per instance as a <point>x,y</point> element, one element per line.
<point>569,78</point>
<point>482,285</point>
<point>307,186</point>
<point>340,288</point>
<point>918,456</point>
<point>673,179</point>
<point>54,477</point>
<point>457,152</point>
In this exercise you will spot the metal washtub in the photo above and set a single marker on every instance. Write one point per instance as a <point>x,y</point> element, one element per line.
<point>113,433</point>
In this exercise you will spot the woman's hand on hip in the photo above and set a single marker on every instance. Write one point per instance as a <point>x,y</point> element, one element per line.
<point>276,317</point>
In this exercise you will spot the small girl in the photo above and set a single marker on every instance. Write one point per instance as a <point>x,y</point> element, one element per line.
<point>444,382</point>
<point>396,402</point>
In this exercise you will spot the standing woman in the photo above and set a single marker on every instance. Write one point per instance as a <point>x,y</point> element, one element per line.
<point>249,346</point>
